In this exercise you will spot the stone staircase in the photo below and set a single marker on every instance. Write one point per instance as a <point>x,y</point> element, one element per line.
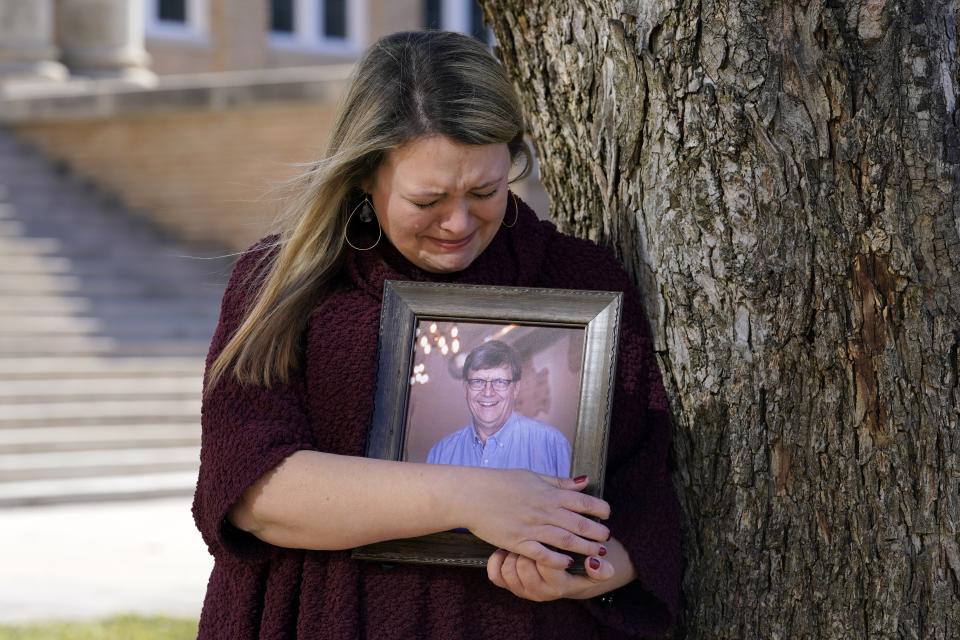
<point>104,325</point>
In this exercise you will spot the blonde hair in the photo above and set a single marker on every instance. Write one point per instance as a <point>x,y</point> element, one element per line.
<point>406,86</point>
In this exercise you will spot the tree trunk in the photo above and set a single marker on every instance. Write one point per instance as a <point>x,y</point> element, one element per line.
<point>781,178</point>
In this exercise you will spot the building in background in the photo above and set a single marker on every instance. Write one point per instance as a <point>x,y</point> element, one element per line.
<point>55,39</point>
<point>219,35</point>
<point>193,111</point>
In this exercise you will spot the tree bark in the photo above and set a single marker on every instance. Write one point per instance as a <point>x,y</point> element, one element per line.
<point>781,178</point>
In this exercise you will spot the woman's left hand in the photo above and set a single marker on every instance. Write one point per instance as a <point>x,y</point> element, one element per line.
<point>526,579</point>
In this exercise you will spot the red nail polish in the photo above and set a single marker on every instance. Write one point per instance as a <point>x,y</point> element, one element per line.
<point>580,479</point>
<point>603,551</point>
<point>594,563</point>
<point>569,562</point>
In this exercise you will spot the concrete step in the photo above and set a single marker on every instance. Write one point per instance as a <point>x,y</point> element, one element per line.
<point>18,160</point>
<point>49,214</point>
<point>92,421</point>
<point>105,245</point>
<point>29,247</point>
<point>47,325</point>
<point>104,388</point>
<point>24,170</point>
<point>41,193</point>
<point>119,487</point>
<point>19,467</point>
<point>25,304</point>
<point>98,346</point>
<point>91,412</point>
<point>40,284</point>
<point>59,367</point>
<point>191,329</point>
<point>46,304</point>
<point>56,345</point>
<point>11,228</point>
<point>197,274</point>
<point>86,220</point>
<point>88,323</point>
<point>25,285</point>
<point>34,265</point>
<point>76,232</point>
<point>39,439</point>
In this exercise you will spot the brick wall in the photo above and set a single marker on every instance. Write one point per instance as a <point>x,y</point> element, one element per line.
<point>203,175</point>
<point>239,31</point>
<point>390,17</point>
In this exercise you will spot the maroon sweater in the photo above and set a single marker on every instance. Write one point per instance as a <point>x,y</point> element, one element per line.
<point>258,590</point>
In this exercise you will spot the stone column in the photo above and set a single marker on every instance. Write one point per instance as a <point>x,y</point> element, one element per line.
<point>27,51</point>
<point>104,39</point>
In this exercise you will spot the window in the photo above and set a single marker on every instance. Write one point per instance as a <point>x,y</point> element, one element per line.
<point>464,16</point>
<point>334,19</point>
<point>172,11</point>
<point>324,26</point>
<point>478,29</point>
<point>179,19</point>
<point>281,16</point>
<point>433,14</point>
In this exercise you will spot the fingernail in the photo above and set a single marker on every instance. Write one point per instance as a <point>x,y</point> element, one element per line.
<point>594,563</point>
<point>580,479</point>
<point>603,551</point>
<point>569,562</point>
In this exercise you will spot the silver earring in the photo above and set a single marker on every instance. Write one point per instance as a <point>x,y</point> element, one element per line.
<point>367,214</point>
<point>516,213</point>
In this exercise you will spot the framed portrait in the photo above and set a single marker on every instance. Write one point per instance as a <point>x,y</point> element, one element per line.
<point>498,377</point>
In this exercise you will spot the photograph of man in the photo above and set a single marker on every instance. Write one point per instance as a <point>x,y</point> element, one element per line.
<point>498,436</point>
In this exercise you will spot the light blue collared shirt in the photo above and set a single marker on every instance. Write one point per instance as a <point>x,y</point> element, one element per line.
<point>521,443</point>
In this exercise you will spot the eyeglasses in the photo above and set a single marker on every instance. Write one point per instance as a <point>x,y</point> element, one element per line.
<point>499,384</point>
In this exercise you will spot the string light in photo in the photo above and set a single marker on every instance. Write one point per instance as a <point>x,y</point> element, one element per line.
<point>420,375</point>
<point>437,338</point>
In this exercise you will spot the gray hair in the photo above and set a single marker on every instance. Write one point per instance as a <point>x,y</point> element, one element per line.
<point>490,355</point>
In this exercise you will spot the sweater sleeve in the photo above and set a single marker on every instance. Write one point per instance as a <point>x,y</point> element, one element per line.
<point>247,430</point>
<point>645,514</point>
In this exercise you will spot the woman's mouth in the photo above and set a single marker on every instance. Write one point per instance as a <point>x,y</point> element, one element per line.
<point>451,244</point>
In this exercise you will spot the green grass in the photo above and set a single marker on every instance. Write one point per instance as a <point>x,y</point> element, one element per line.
<point>116,628</point>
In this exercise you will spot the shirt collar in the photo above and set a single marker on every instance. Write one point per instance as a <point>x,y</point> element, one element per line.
<point>501,433</point>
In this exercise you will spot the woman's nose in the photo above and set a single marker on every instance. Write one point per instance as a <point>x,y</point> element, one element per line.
<point>457,217</point>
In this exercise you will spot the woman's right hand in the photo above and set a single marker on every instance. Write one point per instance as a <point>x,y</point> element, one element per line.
<point>522,512</point>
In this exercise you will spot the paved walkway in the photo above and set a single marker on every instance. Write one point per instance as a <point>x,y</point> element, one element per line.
<point>94,560</point>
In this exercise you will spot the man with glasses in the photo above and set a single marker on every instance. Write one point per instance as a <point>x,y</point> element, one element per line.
<point>497,436</point>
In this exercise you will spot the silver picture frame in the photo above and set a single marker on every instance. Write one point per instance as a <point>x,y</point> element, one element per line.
<point>405,304</point>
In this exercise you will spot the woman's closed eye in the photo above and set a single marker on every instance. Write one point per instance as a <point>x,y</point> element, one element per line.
<point>478,196</point>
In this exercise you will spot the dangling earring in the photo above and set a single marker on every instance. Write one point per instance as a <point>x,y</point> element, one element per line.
<point>516,213</point>
<point>367,214</point>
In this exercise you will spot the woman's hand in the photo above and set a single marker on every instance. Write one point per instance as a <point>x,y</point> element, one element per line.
<point>535,581</point>
<point>523,512</point>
